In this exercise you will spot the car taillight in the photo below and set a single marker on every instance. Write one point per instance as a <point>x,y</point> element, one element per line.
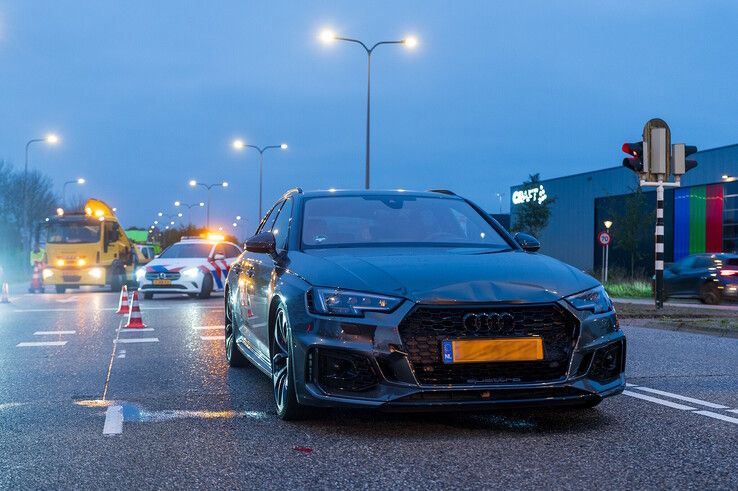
<point>728,272</point>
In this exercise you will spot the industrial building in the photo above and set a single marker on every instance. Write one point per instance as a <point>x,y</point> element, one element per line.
<point>700,216</point>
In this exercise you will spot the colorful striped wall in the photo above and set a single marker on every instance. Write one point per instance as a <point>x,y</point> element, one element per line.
<point>698,220</point>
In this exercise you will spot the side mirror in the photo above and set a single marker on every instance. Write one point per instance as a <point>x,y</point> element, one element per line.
<point>527,242</point>
<point>263,243</point>
<point>219,257</point>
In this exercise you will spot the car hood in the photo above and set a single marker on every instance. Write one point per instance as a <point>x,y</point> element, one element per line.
<point>440,275</point>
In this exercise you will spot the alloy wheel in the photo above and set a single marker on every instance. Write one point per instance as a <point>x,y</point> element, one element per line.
<point>280,359</point>
<point>229,332</point>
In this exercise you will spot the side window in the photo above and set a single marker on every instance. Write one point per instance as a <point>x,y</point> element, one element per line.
<point>232,251</point>
<point>281,226</point>
<point>702,262</point>
<point>269,218</point>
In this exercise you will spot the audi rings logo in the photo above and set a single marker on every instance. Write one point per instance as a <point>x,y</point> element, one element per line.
<point>494,322</point>
<point>162,275</point>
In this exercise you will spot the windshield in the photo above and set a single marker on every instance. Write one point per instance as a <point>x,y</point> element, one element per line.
<point>337,221</point>
<point>73,233</point>
<point>187,251</point>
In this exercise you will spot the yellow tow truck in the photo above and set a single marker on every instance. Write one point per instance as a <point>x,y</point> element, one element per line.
<point>88,247</point>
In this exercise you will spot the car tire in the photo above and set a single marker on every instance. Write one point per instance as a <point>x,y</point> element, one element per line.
<point>709,294</point>
<point>61,288</point>
<point>148,295</point>
<point>235,358</point>
<point>207,287</point>
<point>283,376</point>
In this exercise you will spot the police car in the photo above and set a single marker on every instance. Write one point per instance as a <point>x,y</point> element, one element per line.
<point>194,265</point>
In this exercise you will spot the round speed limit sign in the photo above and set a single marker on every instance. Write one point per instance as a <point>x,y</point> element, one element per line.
<point>604,238</point>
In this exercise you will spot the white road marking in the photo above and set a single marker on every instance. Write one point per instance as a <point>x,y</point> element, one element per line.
<point>122,354</point>
<point>630,385</point>
<point>721,417</point>
<point>49,333</point>
<point>9,405</point>
<point>136,340</point>
<point>733,411</point>
<point>113,421</point>
<point>66,300</point>
<point>40,343</point>
<point>658,401</point>
<point>212,338</point>
<point>699,402</point>
<point>133,329</point>
<point>204,328</point>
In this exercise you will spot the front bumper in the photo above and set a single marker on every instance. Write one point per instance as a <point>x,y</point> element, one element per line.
<point>381,373</point>
<point>92,276</point>
<point>176,286</point>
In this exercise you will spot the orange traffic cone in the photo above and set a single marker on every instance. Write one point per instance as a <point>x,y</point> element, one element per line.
<point>134,316</point>
<point>5,298</point>
<point>123,301</point>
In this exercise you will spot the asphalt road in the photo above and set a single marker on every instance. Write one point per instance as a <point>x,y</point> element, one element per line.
<point>166,412</point>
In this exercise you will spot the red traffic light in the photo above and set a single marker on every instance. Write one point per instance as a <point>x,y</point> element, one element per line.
<point>634,149</point>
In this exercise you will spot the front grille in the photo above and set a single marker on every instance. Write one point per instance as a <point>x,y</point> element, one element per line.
<point>423,329</point>
<point>71,278</point>
<point>162,276</point>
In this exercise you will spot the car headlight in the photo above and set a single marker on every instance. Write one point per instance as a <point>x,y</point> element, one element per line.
<point>140,273</point>
<point>331,301</point>
<point>190,273</point>
<point>47,273</point>
<point>595,300</point>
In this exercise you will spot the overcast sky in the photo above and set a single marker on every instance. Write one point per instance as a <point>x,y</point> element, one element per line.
<point>147,95</point>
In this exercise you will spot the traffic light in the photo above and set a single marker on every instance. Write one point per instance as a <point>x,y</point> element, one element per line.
<point>634,163</point>
<point>679,153</point>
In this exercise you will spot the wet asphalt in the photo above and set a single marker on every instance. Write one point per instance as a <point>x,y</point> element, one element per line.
<point>191,422</point>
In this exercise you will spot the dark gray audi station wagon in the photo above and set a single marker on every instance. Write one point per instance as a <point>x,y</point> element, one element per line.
<point>414,300</point>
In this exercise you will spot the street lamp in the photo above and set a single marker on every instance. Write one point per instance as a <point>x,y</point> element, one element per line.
<point>194,183</point>
<point>79,181</point>
<point>51,139</point>
<point>189,206</point>
<point>239,144</point>
<point>328,36</point>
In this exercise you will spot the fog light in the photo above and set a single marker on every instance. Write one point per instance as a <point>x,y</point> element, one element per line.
<point>81,262</point>
<point>96,272</point>
<point>47,273</point>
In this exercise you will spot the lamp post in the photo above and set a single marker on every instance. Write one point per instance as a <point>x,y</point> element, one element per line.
<point>223,184</point>
<point>239,144</point>
<point>608,224</point>
<point>79,181</point>
<point>51,139</point>
<point>410,42</point>
<point>189,206</point>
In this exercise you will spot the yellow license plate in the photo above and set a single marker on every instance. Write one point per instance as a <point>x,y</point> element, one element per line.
<point>491,350</point>
<point>162,282</point>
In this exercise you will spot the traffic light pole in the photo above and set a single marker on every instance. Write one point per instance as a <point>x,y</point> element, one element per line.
<point>660,246</point>
<point>659,250</point>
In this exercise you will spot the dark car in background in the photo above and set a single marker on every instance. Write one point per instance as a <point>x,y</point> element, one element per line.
<point>414,300</point>
<point>708,277</point>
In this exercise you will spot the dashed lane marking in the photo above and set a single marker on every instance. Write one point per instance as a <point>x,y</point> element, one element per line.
<point>658,401</point>
<point>699,402</point>
<point>122,354</point>
<point>136,340</point>
<point>134,329</point>
<point>27,344</point>
<point>212,338</point>
<point>721,417</point>
<point>113,421</point>
<point>49,333</point>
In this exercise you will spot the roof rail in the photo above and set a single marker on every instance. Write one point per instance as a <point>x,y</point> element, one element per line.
<point>292,191</point>
<point>442,191</point>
